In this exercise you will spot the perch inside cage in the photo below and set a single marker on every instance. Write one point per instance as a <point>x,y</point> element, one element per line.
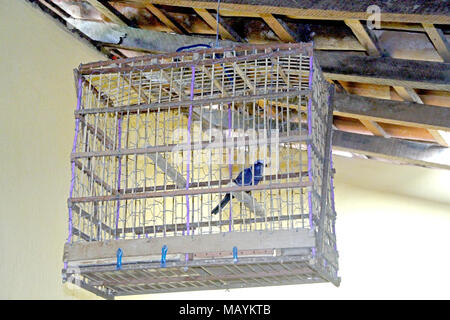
<point>202,170</point>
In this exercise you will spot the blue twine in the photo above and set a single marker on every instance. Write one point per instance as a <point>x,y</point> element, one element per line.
<point>204,45</point>
<point>193,46</point>
<point>119,259</point>
<point>163,256</point>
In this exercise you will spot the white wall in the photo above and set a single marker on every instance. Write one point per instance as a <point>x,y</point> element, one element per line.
<point>393,221</point>
<point>391,247</point>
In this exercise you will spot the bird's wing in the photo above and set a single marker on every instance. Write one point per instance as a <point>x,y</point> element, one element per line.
<point>248,176</point>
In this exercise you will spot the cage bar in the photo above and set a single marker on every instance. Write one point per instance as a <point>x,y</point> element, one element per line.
<point>161,139</point>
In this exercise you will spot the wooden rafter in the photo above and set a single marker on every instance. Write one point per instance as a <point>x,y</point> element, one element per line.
<point>369,41</point>
<point>413,11</point>
<point>439,137</point>
<point>418,153</point>
<point>163,17</point>
<point>364,37</point>
<point>409,94</point>
<point>107,12</point>
<point>212,22</point>
<point>336,66</point>
<point>403,113</point>
<point>280,28</point>
<point>439,41</point>
<point>375,128</point>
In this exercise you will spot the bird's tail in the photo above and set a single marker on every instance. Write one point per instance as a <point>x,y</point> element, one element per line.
<point>222,204</point>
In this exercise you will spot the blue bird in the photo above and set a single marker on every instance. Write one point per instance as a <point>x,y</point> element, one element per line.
<point>245,178</point>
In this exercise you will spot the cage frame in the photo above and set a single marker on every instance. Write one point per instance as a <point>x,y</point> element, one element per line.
<point>208,261</point>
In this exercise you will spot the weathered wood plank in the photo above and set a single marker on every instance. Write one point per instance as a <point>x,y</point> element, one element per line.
<point>385,70</point>
<point>439,41</point>
<point>400,11</point>
<point>107,12</point>
<point>390,111</point>
<point>375,128</point>
<point>370,43</point>
<point>191,244</point>
<point>336,66</point>
<point>163,18</point>
<point>417,153</point>
<point>409,94</point>
<point>280,30</point>
<point>363,36</point>
<point>212,22</point>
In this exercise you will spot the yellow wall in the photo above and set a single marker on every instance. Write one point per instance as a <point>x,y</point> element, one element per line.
<point>37,96</point>
<point>392,225</point>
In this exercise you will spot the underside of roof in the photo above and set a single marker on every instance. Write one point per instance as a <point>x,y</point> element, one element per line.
<point>391,71</point>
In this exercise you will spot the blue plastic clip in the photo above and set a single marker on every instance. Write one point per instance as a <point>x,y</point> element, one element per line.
<point>163,256</point>
<point>119,259</point>
<point>235,255</point>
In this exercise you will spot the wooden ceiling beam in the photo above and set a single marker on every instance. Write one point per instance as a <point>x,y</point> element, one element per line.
<point>107,10</point>
<point>163,18</point>
<point>409,94</point>
<point>411,152</point>
<point>367,40</point>
<point>385,71</point>
<point>279,27</point>
<point>335,65</point>
<point>439,137</point>
<point>375,128</point>
<point>225,31</point>
<point>439,41</point>
<point>389,111</point>
<point>370,43</point>
<point>413,11</point>
<point>394,131</point>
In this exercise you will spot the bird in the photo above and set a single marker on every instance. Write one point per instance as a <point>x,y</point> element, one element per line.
<point>245,178</point>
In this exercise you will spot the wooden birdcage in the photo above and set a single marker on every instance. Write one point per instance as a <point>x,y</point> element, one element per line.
<point>159,142</point>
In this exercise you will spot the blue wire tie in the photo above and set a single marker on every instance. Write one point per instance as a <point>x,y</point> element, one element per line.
<point>203,45</point>
<point>200,45</point>
<point>119,259</point>
<point>163,256</point>
<point>235,255</point>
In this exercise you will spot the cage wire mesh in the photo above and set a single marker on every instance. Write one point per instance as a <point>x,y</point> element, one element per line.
<point>160,140</point>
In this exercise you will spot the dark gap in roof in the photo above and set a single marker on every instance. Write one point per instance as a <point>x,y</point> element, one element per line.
<point>251,29</point>
<point>175,9</point>
<point>444,27</point>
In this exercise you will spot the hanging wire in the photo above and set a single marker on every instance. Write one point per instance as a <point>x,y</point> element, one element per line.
<point>217,25</point>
